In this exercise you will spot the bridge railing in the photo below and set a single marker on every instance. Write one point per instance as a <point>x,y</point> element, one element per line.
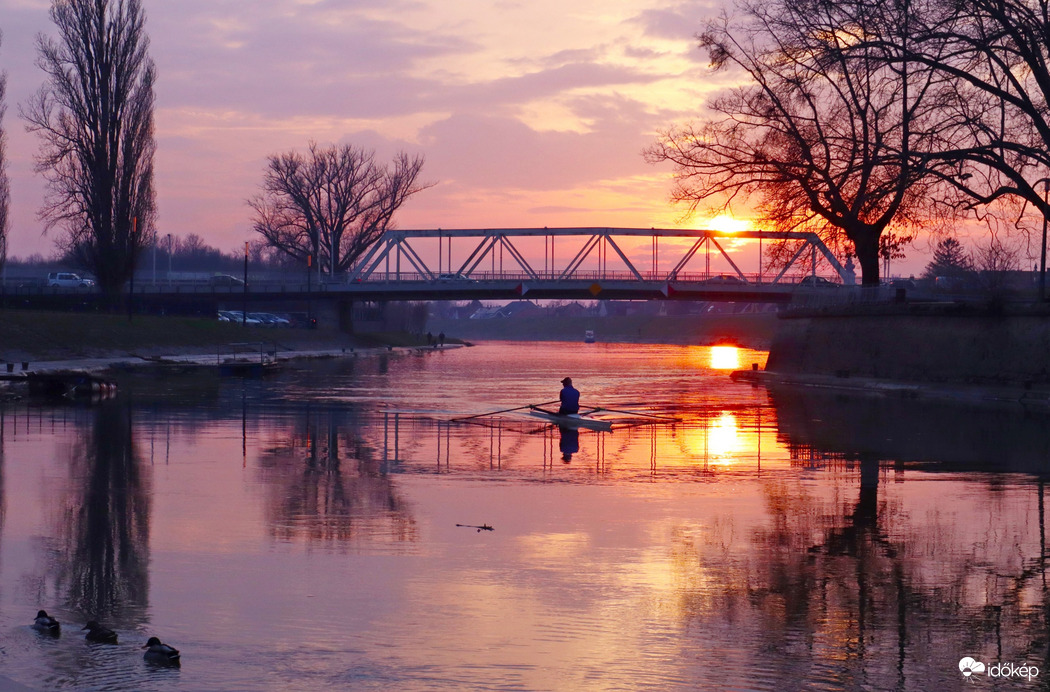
<point>298,284</point>
<point>766,279</point>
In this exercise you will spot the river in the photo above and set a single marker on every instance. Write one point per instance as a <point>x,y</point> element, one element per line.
<point>319,529</point>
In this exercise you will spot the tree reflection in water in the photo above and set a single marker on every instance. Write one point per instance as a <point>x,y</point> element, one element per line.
<point>327,485</point>
<point>884,589</point>
<point>103,532</point>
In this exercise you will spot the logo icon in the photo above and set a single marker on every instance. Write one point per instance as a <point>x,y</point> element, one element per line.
<point>968,666</point>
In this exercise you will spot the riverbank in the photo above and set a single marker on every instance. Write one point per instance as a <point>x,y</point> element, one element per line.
<point>944,343</point>
<point>917,351</point>
<point>36,337</point>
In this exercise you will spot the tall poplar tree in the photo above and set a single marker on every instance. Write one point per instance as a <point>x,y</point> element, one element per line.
<point>94,115</point>
<point>5,186</point>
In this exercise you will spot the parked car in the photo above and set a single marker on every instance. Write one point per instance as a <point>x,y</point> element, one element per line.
<point>225,280</point>
<point>68,280</point>
<point>456,277</point>
<point>724,280</point>
<point>269,319</point>
<point>238,317</point>
<point>814,281</point>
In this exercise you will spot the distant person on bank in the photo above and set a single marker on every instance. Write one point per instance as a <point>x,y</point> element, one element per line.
<point>569,397</point>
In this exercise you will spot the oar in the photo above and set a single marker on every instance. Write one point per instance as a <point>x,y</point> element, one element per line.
<point>506,410</point>
<point>639,413</point>
<point>483,527</point>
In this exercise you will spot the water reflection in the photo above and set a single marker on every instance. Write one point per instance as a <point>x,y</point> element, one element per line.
<point>568,442</point>
<point>865,577</point>
<point>102,537</point>
<point>325,484</point>
<point>785,540</point>
<point>954,435</point>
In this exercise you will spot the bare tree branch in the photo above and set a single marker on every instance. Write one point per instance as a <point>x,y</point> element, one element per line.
<point>996,56</point>
<point>822,135</point>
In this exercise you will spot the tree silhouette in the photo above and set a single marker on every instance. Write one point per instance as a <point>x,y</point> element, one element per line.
<point>94,115</point>
<point>993,61</point>
<point>949,259</point>
<point>823,135</point>
<point>5,185</point>
<point>332,203</point>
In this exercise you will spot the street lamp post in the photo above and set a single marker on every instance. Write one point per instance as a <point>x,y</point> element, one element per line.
<point>131,287</point>
<point>1042,250</point>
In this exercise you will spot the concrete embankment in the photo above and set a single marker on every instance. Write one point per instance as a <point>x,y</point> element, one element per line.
<point>941,350</point>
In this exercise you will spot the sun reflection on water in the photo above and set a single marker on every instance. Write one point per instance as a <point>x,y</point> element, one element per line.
<point>723,437</point>
<point>720,441</point>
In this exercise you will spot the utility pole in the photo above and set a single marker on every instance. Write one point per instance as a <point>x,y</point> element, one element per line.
<point>131,249</point>
<point>244,312</point>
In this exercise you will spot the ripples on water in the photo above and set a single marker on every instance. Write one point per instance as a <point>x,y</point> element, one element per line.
<point>301,532</point>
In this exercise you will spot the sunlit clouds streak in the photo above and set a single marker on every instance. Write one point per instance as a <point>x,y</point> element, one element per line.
<point>528,113</point>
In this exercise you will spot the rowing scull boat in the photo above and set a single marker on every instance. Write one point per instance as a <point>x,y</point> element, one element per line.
<point>571,420</point>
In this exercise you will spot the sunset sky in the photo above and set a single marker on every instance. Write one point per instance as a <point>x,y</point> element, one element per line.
<point>528,113</point>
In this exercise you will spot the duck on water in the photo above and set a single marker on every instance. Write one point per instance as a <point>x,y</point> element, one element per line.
<point>98,633</point>
<point>46,624</point>
<point>161,653</point>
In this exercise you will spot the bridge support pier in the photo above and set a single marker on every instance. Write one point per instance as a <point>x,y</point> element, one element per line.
<point>345,309</point>
<point>333,313</point>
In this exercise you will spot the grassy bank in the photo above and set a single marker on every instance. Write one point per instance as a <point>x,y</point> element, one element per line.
<point>39,335</point>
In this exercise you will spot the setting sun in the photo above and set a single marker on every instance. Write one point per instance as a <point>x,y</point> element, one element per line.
<point>727,224</point>
<point>725,358</point>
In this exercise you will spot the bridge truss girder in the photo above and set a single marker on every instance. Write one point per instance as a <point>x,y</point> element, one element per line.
<point>395,247</point>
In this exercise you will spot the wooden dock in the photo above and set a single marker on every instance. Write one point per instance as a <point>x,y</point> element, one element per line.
<point>62,383</point>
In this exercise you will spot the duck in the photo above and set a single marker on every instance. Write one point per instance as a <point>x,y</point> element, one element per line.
<point>46,623</point>
<point>159,652</point>
<point>98,633</point>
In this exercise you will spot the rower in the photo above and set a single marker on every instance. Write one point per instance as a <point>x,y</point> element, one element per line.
<point>569,398</point>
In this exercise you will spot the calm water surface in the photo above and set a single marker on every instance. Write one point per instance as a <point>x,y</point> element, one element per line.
<point>300,532</point>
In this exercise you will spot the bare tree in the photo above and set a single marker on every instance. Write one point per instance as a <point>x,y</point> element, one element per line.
<point>94,116</point>
<point>995,56</point>
<point>823,135</point>
<point>993,263</point>
<point>332,203</point>
<point>5,185</point>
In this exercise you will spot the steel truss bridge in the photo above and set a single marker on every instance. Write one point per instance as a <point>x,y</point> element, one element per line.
<point>596,266</point>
